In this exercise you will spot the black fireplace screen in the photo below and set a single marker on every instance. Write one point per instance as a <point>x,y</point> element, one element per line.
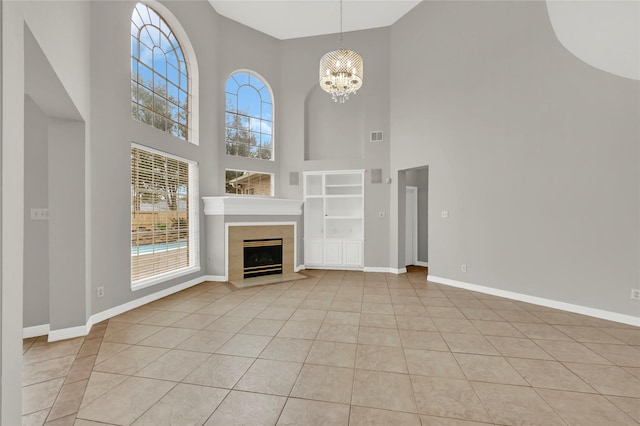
<point>262,257</point>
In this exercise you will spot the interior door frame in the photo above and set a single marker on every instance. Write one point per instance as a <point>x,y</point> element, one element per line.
<point>412,194</point>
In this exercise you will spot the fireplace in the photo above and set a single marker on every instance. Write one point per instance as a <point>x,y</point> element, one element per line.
<point>262,257</point>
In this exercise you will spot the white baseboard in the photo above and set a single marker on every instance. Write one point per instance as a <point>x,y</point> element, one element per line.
<point>215,278</point>
<point>569,307</point>
<point>299,268</point>
<point>384,270</point>
<point>35,331</point>
<point>83,330</point>
<point>425,264</point>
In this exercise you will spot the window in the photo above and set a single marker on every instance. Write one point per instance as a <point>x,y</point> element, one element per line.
<point>248,117</point>
<point>160,92</point>
<point>248,183</point>
<point>164,217</point>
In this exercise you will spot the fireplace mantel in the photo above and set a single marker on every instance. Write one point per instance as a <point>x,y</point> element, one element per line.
<point>252,206</point>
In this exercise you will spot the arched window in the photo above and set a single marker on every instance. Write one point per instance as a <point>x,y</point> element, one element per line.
<point>248,116</point>
<point>160,87</point>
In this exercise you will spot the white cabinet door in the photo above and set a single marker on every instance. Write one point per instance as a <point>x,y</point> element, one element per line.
<point>333,252</point>
<point>352,253</point>
<point>312,252</point>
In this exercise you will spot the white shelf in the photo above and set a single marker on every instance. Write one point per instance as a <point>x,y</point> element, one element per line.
<point>337,196</point>
<point>349,185</point>
<point>342,217</point>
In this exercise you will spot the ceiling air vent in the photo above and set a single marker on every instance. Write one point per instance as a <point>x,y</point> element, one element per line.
<point>376,137</point>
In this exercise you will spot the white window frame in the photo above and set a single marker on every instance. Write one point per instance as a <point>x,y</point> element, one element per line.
<point>194,225</point>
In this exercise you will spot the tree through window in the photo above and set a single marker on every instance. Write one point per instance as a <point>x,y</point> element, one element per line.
<point>160,95</point>
<point>248,117</point>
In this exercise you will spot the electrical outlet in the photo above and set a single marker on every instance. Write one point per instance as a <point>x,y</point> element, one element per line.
<point>100,291</point>
<point>40,214</point>
<point>635,293</point>
<point>445,214</point>
<point>381,215</point>
<point>463,268</point>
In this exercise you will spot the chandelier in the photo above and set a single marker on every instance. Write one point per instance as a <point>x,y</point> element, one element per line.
<point>341,71</point>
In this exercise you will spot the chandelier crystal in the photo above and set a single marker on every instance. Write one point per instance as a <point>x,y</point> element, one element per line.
<point>341,71</point>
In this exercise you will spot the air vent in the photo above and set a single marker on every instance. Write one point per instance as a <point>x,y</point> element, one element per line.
<point>376,137</point>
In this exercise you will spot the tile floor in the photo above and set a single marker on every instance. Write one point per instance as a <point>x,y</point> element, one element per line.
<point>338,348</point>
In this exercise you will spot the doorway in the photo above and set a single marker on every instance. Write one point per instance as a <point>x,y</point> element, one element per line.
<point>411,225</point>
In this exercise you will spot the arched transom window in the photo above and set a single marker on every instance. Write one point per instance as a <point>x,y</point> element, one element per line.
<point>248,116</point>
<point>160,93</point>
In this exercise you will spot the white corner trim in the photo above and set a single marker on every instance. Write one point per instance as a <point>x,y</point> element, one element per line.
<point>83,330</point>
<point>35,331</point>
<point>299,268</point>
<point>251,206</point>
<point>425,264</point>
<point>569,307</point>
<point>216,278</point>
<point>385,270</point>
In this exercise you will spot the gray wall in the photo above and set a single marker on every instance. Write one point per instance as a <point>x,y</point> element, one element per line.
<point>533,153</point>
<point>36,232</point>
<point>306,112</point>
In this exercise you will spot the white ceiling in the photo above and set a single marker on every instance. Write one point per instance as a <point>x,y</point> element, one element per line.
<point>285,19</point>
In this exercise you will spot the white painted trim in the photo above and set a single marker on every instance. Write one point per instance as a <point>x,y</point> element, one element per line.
<point>569,307</point>
<point>226,240</point>
<point>251,206</point>
<point>385,270</point>
<point>35,331</point>
<point>83,330</point>
<point>215,278</point>
<point>425,264</point>
<point>299,268</point>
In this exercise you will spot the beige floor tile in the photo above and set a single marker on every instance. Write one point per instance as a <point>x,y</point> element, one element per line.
<point>346,306</point>
<point>313,413</point>
<point>410,310</point>
<point>452,325</point>
<point>508,405</point>
<point>133,334</point>
<point>631,406</point>
<point>518,316</point>
<point>287,349</point>
<point>134,316</point>
<point>68,401</point>
<point>444,421</point>
<point>608,380</point>
<point>300,329</point>
<point>445,312</point>
<point>130,360</point>
<point>168,337</point>
<point>432,363</point>
<point>245,408</point>
<point>270,377</point>
<point>190,306</point>
<point>486,368</point>
<point>90,347</point>
<point>428,340</point>
<point>43,371</point>
<point>195,321</point>
<point>481,314</point>
<point>389,391</point>
<point>308,315</point>
<point>379,336</point>
<point>549,374</point>
<point>205,341</point>
<point>319,382</point>
<point>378,320</point>
<point>571,352</point>
<point>332,354</point>
<point>496,328</point>
<point>263,327</point>
<point>587,334</point>
<point>164,318</point>
<point>99,384</point>
<point>376,298</point>
<point>381,358</point>
<point>378,308</point>
<point>630,336</point>
<point>126,402</point>
<point>228,324</point>
<point>81,369</point>
<point>347,318</point>
<point>108,350</point>
<point>174,365</point>
<point>622,355</point>
<point>245,345</point>
<point>363,416</point>
<point>542,331</point>
<point>35,419</point>
<point>221,371</point>
<point>63,421</point>
<point>40,396</point>
<point>518,348</point>
<point>338,333</point>
<point>184,405</point>
<point>580,409</point>
<point>47,351</point>
<point>443,397</point>
<point>276,313</point>
<point>415,323</point>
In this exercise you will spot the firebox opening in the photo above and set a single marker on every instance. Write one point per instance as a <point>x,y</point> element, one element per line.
<point>262,257</point>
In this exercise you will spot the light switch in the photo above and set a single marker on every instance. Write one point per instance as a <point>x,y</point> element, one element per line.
<point>445,214</point>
